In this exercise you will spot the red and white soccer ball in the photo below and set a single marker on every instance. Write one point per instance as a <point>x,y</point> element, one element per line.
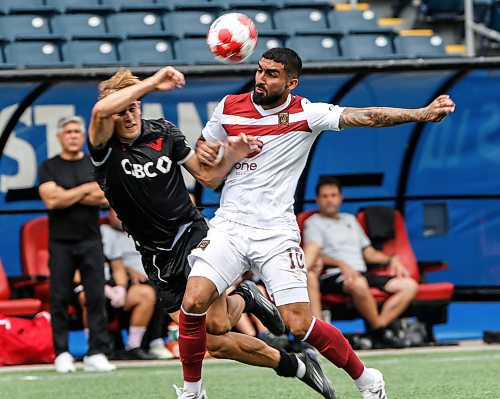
<point>232,38</point>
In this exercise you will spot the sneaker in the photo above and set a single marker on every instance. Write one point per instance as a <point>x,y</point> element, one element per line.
<point>278,342</point>
<point>184,394</point>
<point>97,362</point>
<point>137,354</point>
<point>314,376</point>
<point>64,363</point>
<point>387,339</point>
<point>377,389</point>
<point>161,352</point>
<point>258,304</point>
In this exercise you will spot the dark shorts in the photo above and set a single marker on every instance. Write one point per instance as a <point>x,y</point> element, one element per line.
<point>335,285</point>
<point>169,270</point>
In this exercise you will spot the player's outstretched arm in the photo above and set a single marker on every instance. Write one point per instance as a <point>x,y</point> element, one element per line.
<point>387,116</point>
<point>102,124</point>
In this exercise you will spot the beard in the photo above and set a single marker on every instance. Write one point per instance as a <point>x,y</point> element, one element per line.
<point>261,99</point>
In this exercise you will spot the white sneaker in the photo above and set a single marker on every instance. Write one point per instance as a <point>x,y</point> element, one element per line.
<point>377,389</point>
<point>184,394</point>
<point>64,363</point>
<point>161,352</point>
<point>97,362</point>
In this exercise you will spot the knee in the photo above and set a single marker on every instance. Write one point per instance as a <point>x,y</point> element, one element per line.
<point>359,286</point>
<point>299,327</point>
<point>411,286</point>
<point>198,296</point>
<point>218,326</point>
<point>147,294</point>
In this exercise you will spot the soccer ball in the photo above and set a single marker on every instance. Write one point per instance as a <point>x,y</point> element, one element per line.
<point>232,38</point>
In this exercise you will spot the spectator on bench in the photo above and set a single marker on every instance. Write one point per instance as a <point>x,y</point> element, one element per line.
<point>343,248</point>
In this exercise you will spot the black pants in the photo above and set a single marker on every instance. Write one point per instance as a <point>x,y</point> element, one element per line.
<point>65,258</point>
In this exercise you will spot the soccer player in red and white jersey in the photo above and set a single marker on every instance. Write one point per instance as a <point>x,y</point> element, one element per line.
<point>255,226</point>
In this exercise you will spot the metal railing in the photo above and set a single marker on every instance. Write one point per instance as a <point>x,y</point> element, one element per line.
<point>471,28</point>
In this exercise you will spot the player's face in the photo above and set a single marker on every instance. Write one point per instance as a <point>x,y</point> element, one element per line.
<point>329,199</point>
<point>71,137</point>
<point>128,122</point>
<point>272,84</point>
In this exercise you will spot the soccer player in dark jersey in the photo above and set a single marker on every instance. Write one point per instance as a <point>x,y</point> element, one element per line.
<point>138,167</point>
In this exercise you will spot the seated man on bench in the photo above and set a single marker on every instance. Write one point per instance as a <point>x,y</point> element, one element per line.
<point>339,243</point>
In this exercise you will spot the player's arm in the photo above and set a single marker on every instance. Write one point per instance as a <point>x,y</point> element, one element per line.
<point>95,197</point>
<point>102,124</point>
<point>56,197</point>
<point>235,149</point>
<point>394,263</point>
<point>387,116</point>
<point>118,272</point>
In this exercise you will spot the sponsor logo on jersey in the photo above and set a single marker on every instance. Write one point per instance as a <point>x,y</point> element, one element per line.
<point>242,168</point>
<point>283,119</point>
<point>203,244</point>
<point>149,169</point>
<point>156,145</point>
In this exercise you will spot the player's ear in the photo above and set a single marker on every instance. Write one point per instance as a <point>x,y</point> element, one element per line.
<point>292,84</point>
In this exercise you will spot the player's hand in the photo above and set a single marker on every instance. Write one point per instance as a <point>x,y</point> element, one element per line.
<point>396,268</point>
<point>136,277</point>
<point>116,295</point>
<point>242,146</point>
<point>349,274</point>
<point>207,152</point>
<point>167,79</point>
<point>438,109</point>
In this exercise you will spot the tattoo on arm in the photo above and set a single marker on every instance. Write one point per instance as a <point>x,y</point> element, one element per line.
<point>377,117</point>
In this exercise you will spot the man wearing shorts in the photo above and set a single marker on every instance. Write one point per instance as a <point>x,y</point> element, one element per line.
<point>339,240</point>
<point>255,226</point>
<point>137,165</point>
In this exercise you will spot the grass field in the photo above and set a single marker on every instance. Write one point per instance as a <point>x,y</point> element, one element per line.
<point>437,375</point>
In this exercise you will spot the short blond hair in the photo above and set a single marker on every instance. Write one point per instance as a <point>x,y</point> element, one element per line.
<point>121,79</point>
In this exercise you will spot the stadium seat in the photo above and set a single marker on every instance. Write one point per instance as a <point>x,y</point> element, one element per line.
<point>259,4</point>
<point>262,19</point>
<point>193,51</point>
<point>431,302</point>
<point>137,25</point>
<point>25,7</point>
<point>301,20</point>
<point>188,23</point>
<point>80,26</point>
<point>441,10</point>
<point>34,54</point>
<point>419,46</point>
<point>15,307</point>
<point>146,52</point>
<point>367,46</point>
<point>264,43</point>
<point>315,47</point>
<point>133,5</point>
<point>71,6</point>
<point>90,52</point>
<point>25,27</point>
<point>354,21</point>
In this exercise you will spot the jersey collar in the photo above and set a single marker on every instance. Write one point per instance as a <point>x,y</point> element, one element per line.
<point>266,112</point>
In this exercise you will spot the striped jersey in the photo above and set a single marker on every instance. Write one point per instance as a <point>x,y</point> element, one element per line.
<point>259,190</point>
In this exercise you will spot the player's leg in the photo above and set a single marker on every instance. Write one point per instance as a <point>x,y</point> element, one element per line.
<point>402,290</point>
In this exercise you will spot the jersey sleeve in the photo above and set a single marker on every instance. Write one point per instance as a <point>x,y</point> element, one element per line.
<point>313,231</point>
<point>181,150</point>
<point>322,116</point>
<point>44,174</point>
<point>213,130</point>
<point>99,156</point>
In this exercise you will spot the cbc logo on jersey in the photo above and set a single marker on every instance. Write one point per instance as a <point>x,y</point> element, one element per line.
<point>149,169</point>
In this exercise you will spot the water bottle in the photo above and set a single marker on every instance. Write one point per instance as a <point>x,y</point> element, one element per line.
<point>173,332</point>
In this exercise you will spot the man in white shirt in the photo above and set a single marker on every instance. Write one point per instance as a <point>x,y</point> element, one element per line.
<point>255,226</point>
<point>343,247</point>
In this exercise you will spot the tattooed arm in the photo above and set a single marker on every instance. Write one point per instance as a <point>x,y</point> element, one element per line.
<point>387,116</point>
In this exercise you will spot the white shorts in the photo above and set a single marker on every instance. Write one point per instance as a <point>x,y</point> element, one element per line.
<point>230,249</point>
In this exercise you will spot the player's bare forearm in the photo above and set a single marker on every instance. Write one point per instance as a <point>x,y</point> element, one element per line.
<point>56,197</point>
<point>388,116</point>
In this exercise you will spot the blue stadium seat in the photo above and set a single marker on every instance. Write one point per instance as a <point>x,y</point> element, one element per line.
<point>441,10</point>
<point>419,46</point>
<point>261,4</point>
<point>146,52</point>
<point>354,21</point>
<point>261,18</point>
<point>80,26</point>
<point>315,47</point>
<point>367,46</point>
<point>301,20</point>
<point>133,5</point>
<point>136,24</point>
<point>264,43</point>
<point>70,6</point>
<point>193,51</point>
<point>188,23</point>
<point>21,27</point>
<point>90,52</point>
<point>33,54</point>
<point>25,7</point>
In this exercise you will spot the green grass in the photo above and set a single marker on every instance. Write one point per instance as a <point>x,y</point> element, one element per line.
<point>435,375</point>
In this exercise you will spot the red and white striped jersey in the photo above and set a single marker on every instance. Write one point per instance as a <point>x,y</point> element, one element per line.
<point>259,191</point>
